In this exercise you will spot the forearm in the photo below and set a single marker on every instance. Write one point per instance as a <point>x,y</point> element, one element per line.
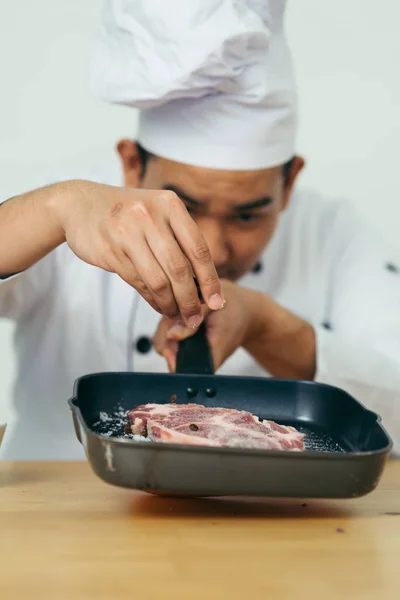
<point>280,341</point>
<point>30,227</point>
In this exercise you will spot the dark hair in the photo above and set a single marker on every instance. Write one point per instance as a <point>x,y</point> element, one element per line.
<point>145,157</point>
<point>286,169</point>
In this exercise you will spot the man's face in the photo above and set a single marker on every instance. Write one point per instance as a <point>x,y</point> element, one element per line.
<point>236,211</point>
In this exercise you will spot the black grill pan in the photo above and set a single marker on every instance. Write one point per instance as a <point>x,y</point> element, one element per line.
<point>347,446</point>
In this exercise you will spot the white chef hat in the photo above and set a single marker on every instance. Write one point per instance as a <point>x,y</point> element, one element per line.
<point>212,78</point>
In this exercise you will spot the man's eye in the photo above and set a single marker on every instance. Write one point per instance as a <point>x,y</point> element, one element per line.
<point>247,217</point>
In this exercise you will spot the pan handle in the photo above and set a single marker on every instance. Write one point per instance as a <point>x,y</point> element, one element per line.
<point>194,354</point>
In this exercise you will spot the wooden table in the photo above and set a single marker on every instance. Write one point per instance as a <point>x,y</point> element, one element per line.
<point>64,534</point>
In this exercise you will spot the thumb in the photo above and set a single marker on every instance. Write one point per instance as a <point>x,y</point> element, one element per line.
<point>178,332</point>
<point>169,353</point>
<point>217,345</point>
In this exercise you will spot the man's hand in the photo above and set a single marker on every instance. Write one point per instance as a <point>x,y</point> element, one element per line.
<point>150,240</point>
<point>147,237</point>
<point>224,335</point>
<point>281,342</point>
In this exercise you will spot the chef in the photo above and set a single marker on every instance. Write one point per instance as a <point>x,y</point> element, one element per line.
<point>97,272</point>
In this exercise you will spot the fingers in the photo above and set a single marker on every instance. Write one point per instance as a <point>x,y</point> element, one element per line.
<point>196,250</point>
<point>154,277</point>
<point>161,264</point>
<point>165,347</point>
<point>176,332</point>
<point>122,266</point>
<point>160,337</point>
<point>170,354</point>
<point>176,266</point>
<point>166,250</point>
<point>179,332</point>
<point>218,349</point>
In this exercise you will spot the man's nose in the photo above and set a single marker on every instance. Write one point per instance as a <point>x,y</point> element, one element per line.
<point>213,232</point>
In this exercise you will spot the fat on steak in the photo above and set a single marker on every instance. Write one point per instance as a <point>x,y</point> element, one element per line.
<point>198,425</point>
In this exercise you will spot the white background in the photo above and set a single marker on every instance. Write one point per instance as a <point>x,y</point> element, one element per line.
<point>346,56</point>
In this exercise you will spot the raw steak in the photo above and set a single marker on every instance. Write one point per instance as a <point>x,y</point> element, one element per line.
<point>196,424</point>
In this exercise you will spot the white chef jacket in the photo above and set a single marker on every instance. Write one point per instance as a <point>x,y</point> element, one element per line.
<point>322,264</point>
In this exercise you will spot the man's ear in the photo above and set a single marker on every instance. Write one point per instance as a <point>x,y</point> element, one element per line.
<point>297,165</point>
<point>131,162</point>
